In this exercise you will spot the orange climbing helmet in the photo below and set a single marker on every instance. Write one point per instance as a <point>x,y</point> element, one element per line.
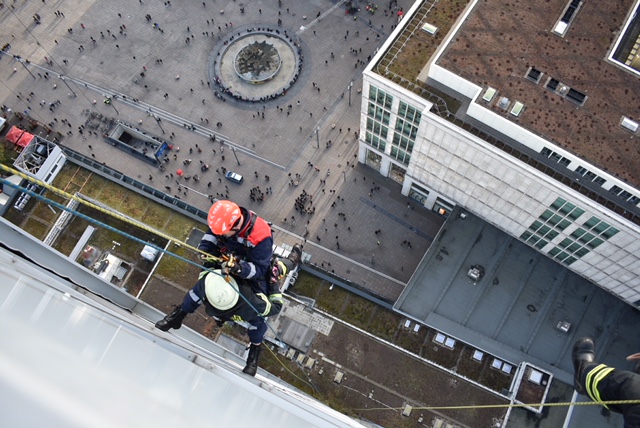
<point>223,215</point>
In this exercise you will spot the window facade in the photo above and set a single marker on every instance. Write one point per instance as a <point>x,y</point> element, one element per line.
<point>405,132</point>
<point>378,118</point>
<point>555,156</point>
<point>625,195</point>
<point>375,141</point>
<point>560,215</point>
<point>584,239</point>
<point>590,175</point>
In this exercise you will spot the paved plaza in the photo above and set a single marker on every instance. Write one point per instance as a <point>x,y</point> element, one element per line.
<point>154,58</point>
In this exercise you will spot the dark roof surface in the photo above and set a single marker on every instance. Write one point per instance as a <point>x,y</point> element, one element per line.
<point>513,311</point>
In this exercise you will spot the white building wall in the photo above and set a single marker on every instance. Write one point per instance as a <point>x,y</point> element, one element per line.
<point>511,195</point>
<point>511,129</point>
<point>463,169</point>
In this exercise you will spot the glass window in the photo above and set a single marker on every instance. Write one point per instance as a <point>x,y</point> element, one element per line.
<point>581,252</point>
<point>601,227</point>
<point>574,247</point>
<point>541,243</point>
<point>578,233</point>
<point>558,203</point>
<point>599,180</point>
<point>594,243</point>
<point>563,224</point>
<point>576,213</point>
<point>567,208</point>
<point>564,161</point>
<point>380,97</point>
<point>535,226</point>
<point>372,92</point>
<point>616,190</point>
<point>610,232</point>
<point>371,109</point>
<point>555,219</point>
<point>565,243</point>
<point>552,234</point>
<point>554,251</point>
<point>591,222</point>
<point>625,195</point>
<point>526,235</point>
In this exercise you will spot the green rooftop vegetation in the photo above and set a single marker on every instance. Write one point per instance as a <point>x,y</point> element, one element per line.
<point>414,47</point>
<point>389,325</point>
<point>38,217</point>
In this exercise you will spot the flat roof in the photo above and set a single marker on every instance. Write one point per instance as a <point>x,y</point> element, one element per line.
<point>525,306</point>
<point>498,44</point>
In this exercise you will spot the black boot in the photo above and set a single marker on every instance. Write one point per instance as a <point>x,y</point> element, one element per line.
<point>583,354</point>
<point>172,320</point>
<point>252,360</point>
<point>295,256</point>
<point>292,261</point>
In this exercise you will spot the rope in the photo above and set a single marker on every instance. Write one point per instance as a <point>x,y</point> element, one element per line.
<point>499,406</point>
<point>113,229</point>
<point>120,217</point>
<point>292,373</point>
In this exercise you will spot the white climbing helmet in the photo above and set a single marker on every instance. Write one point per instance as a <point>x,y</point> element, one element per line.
<point>221,294</point>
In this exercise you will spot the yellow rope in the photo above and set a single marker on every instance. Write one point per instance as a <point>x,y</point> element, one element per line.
<point>498,406</point>
<point>184,244</point>
<point>99,208</point>
<point>287,369</point>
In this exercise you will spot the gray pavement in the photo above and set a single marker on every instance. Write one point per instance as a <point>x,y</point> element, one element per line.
<point>279,145</point>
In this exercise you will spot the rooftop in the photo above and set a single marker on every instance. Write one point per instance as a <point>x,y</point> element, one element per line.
<point>522,307</point>
<point>572,93</point>
<point>500,42</point>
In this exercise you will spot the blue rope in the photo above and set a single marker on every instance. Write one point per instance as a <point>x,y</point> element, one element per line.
<point>127,235</point>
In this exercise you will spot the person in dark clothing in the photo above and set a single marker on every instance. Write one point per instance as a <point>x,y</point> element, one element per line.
<point>229,299</point>
<point>603,383</point>
<point>240,232</point>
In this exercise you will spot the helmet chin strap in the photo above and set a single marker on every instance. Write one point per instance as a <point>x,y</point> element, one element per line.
<point>246,231</point>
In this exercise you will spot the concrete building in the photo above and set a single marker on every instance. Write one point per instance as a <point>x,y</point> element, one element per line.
<point>524,116</point>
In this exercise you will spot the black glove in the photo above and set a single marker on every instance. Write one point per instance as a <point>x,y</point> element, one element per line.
<point>219,322</point>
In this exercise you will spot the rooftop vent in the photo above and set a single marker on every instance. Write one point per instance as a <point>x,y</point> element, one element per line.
<point>552,84</point>
<point>534,75</point>
<point>503,103</point>
<point>569,14</point>
<point>629,124</point>
<point>576,96</point>
<point>563,326</point>
<point>573,95</point>
<point>476,272</point>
